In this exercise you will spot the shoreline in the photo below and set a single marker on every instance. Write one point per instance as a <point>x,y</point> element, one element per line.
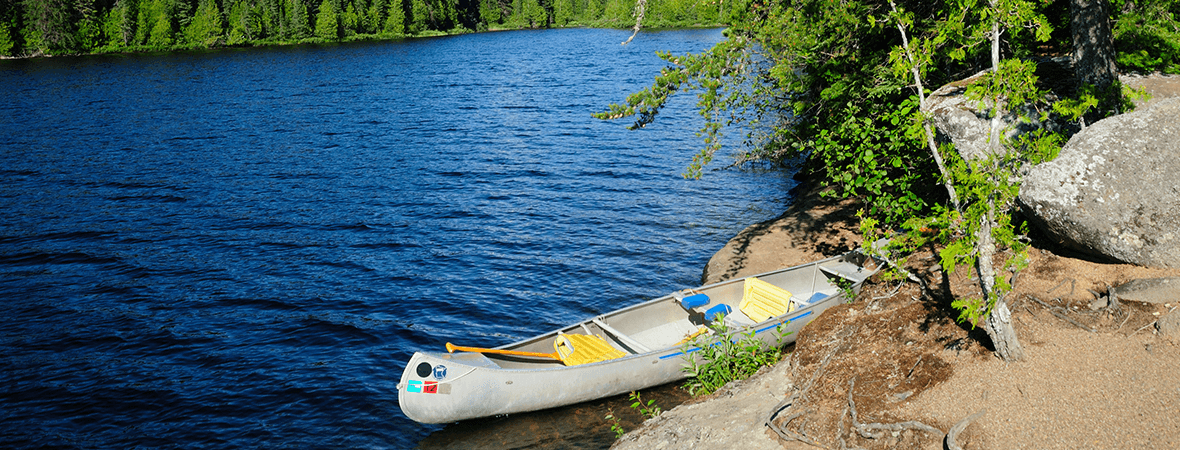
<point>346,40</point>
<point>1106,388</point>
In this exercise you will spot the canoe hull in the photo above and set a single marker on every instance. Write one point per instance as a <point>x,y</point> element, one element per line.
<point>439,387</point>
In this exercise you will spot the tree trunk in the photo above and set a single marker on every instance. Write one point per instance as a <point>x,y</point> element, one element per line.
<point>640,9</point>
<point>998,323</point>
<point>1093,43</point>
<point>997,106</point>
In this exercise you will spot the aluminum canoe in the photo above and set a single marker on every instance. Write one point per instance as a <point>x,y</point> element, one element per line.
<point>440,387</point>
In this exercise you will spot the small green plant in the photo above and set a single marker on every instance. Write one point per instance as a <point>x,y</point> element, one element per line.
<point>727,356</point>
<point>649,409</point>
<point>845,287</point>
<point>615,426</point>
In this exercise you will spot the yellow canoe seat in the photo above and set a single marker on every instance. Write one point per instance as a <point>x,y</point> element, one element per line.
<point>576,349</point>
<point>762,300</point>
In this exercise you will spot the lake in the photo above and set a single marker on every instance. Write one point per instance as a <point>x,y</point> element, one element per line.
<point>242,247</point>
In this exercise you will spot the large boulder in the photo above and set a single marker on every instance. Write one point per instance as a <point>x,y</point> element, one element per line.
<point>1114,191</point>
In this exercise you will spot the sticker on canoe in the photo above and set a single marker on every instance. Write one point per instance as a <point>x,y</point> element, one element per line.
<point>428,387</point>
<point>440,372</point>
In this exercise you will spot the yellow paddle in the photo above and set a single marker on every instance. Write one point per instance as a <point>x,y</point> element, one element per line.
<point>452,347</point>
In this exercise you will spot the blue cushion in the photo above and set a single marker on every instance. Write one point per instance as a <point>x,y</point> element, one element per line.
<point>694,301</point>
<point>721,309</point>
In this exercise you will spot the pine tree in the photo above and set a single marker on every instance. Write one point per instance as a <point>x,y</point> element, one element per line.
<point>395,21</point>
<point>48,26</point>
<point>297,20</point>
<point>206,26</point>
<point>563,12</point>
<point>7,35</point>
<point>349,20</point>
<point>119,25</point>
<point>535,14</point>
<point>419,16</point>
<point>326,23</point>
<point>159,24</point>
<point>517,17</point>
<point>89,26</point>
<point>239,24</point>
<point>374,16</point>
<point>490,13</point>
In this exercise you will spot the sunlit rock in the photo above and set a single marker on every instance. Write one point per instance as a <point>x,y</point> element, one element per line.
<point>1114,191</point>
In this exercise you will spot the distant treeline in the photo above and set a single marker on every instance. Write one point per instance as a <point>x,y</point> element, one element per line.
<point>46,27</point>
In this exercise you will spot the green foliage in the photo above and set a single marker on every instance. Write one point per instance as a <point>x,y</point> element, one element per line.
<point>8,34</point>
<point>206,26</point>
<point>728,356</point>
<point>1147,34</point>
<point>395,22</point>
<point>6,40</point>
<point>1014,84</point>
<point>615,424</point>
<point>119,24</point>
<point>419,14</point>
<point>49,27</point>
<point>158,23</point>
<point>705,72</point>
<point>490,12</point>
<point>240,30</point>
<point>327,25</point>
<point>1076,108</point>
<point>349,20</point>
<point>372,19</point>
<point>534,15</point>
<point>298,26</point>
<point>89,27</point>
<point>649,409</point>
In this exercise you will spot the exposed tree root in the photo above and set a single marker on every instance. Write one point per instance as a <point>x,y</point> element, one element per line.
<point>959,427</point>
<point>794,400</point>
<point>877,430</point>
<point>1060,315</point>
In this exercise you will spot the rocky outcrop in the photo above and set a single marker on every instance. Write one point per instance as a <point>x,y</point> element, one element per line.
<point>961,121</point>
<point>1168,326</point>
<point>1113,191</point>
<point>1150,290</point>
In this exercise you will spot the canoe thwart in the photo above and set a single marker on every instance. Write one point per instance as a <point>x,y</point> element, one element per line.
<point>626,340</point>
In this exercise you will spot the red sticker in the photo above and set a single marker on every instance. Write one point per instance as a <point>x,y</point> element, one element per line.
<point>431,387</point>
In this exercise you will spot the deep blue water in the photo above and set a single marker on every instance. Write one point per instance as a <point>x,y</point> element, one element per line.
<point>241,248</point>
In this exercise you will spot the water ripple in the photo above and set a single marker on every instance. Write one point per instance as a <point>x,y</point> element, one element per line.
<point>240,248</point>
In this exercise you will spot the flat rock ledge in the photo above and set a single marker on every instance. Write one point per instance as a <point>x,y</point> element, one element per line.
<point>812,228</point>
<point>735,418</point>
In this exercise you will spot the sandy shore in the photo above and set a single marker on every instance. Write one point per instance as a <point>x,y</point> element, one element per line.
<point>905,358</point>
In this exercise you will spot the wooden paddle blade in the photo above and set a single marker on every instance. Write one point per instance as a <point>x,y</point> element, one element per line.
<point>452,348</point>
